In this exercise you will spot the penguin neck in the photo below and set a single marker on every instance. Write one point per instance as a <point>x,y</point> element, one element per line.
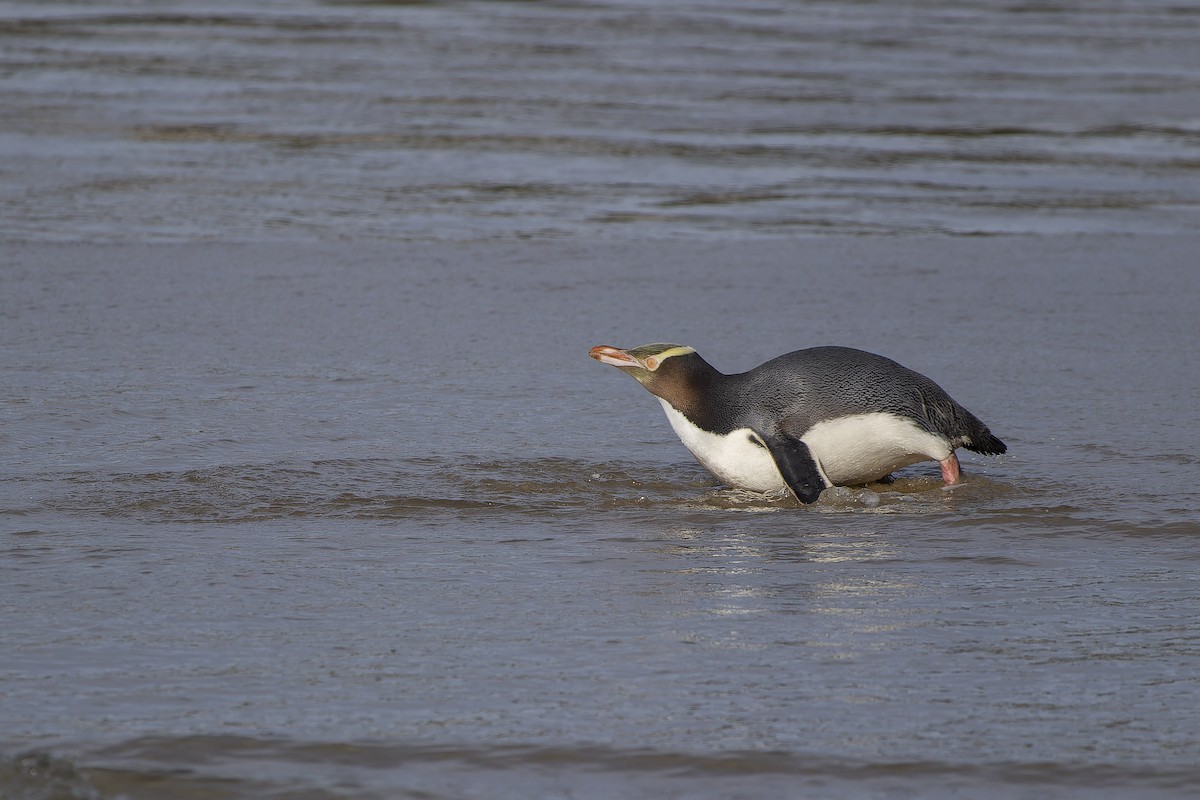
<point>704,396</point>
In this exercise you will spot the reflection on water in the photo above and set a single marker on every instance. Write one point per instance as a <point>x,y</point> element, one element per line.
<point>831,549</point>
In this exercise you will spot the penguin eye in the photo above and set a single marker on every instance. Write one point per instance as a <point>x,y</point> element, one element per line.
<point>651,363</point>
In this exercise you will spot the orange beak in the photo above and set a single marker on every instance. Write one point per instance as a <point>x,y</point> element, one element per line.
<point>614,356</point>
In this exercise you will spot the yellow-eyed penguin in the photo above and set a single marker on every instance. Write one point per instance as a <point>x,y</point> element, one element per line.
<point>807,420</point>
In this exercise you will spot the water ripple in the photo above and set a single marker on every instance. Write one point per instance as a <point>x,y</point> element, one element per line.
<point>244,768</point>
<point>432,488</point>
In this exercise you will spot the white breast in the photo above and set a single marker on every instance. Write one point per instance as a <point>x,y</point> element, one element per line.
<point>733,457</point>
<point>848,450</point>
<point>865,447</point>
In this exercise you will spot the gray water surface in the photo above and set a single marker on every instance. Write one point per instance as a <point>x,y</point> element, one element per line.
<point>308,488</point>
<point>199,120</point>
<point>277,522</point>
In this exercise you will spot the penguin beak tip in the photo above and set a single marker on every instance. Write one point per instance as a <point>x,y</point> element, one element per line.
<point>613,355</point>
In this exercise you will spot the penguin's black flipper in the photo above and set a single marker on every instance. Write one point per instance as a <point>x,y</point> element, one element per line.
<point>797,466</point>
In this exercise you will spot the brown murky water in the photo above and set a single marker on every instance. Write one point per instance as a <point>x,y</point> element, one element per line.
<point>309,489</point>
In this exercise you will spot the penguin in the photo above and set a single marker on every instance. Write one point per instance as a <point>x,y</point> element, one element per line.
<point>807,420</point>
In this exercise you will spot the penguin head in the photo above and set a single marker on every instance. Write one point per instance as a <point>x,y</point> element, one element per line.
<point>673,372</point>
<point>649,364</point>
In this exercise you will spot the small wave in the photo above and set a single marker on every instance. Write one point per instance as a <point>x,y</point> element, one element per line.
<point>241,768</point>
<point>38,775</point>
<point>369,488</point>
<point>427,487</point>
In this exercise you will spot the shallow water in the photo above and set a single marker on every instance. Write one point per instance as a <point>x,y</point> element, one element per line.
<point>308,487</point>
<point>277,527</point>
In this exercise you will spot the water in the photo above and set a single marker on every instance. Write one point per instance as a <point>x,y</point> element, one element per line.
<point>279,524</point>
<point>308,487</point>
<point>431,121</point>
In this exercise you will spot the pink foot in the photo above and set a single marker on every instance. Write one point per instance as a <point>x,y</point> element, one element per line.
<point>950,470</point>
